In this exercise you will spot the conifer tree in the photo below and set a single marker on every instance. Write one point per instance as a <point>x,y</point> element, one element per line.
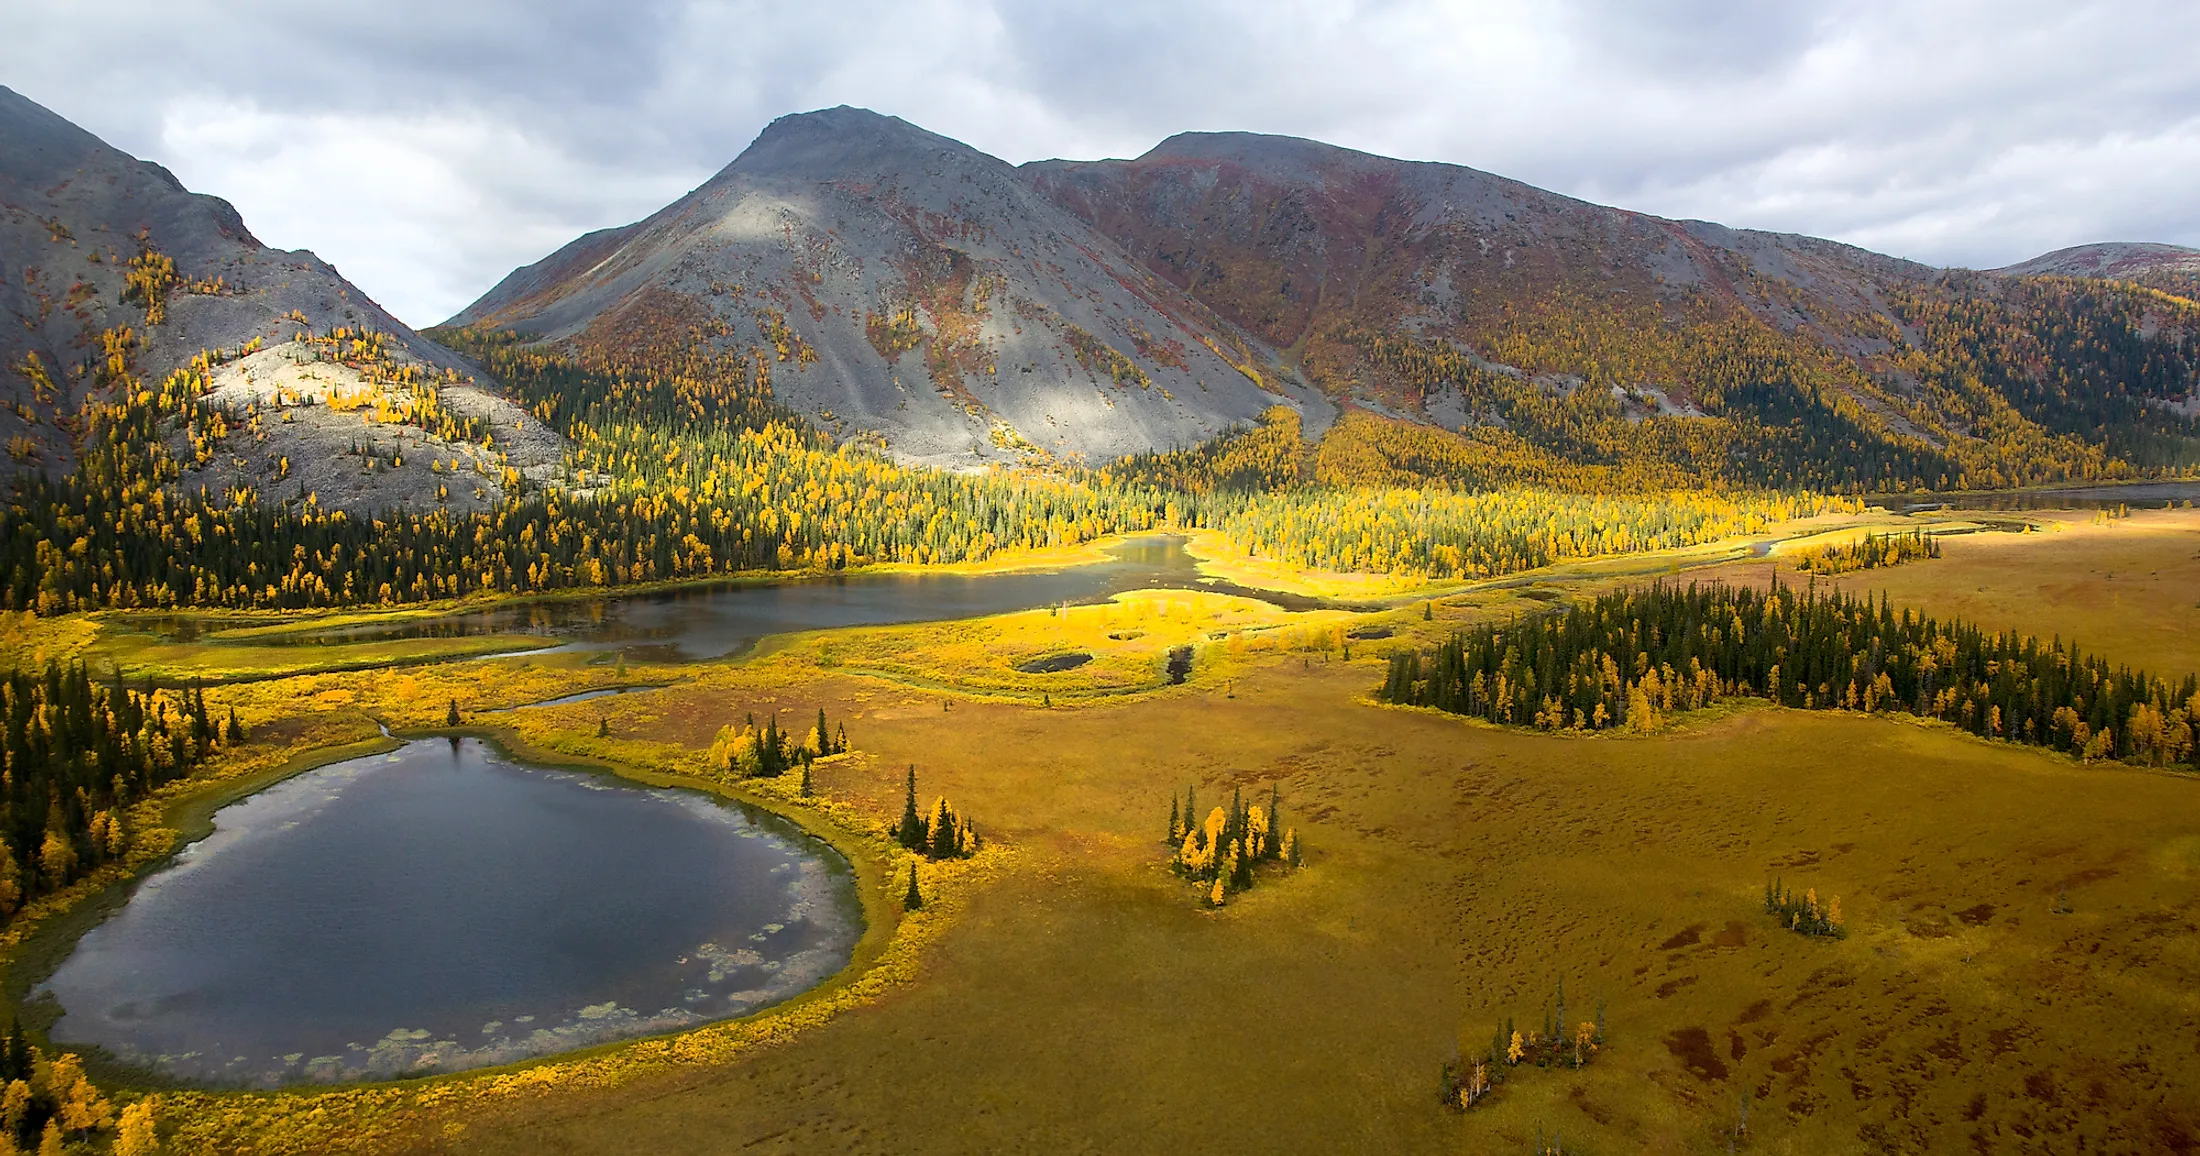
<point>603,726</point>
<point>912,899</point>
<point>450,717</point>
<point>910,831</point>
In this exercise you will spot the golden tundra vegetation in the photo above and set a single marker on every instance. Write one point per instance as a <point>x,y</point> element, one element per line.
<point>1504,848</point>
<point>1567,929</point>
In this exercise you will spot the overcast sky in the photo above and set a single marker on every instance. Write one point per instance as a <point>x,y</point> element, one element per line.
<point>426,147</point>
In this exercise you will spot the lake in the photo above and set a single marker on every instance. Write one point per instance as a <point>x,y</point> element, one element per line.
<point>445,906</point>
<point>2135,495</point>
<point>705,622</point>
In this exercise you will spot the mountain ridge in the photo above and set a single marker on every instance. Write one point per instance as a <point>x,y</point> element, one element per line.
<point>111,268</point>
<point>1330,279</point>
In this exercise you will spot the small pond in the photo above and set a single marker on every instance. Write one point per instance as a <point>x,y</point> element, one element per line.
<point>444,906</point>
<point>1054,663</point>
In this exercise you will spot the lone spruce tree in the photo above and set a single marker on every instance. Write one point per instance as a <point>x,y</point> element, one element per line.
<point>910,831</point>
<point>913,899</point>
<point>450,717</point>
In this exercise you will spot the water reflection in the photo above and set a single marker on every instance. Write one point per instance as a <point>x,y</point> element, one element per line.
<point>446,907</point>
<point>696,623</point>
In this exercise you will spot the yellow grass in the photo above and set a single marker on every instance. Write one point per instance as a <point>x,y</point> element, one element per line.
<point>1072,995</point>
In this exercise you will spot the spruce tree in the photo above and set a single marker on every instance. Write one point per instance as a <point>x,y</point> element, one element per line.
<point>913,899</point>
<point>805,778</point>
<point>450,717</point>
<point>771,752</point>
<point>824,736</point>
<point>235,734</point>
<point>603,726</point>
<point>910,831</point>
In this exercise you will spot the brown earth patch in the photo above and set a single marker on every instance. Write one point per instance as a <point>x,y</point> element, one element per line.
<point>1692,1047</point>
<point>1685,937</point>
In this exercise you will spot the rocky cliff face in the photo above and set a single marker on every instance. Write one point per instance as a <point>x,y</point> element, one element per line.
<point>79,221</point>
<point>903,284</point>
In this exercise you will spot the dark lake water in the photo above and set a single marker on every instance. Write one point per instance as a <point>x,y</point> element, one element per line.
<point>714,621</point>
<point>445,907</point>
<point>2138,495</point>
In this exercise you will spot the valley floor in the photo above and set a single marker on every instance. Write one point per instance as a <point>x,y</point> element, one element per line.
<point>2019,975</point>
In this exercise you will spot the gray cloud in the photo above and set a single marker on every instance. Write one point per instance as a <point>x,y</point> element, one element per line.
<point>428,147</point>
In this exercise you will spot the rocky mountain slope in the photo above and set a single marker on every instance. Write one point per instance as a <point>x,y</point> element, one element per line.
<point>1440,294</point>
<point>108,266</point>
<point>2170,268</point>
<point>887,280</point>
<point>891,282</point>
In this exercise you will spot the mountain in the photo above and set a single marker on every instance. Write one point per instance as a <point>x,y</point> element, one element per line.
<point>108,265</point>
<point>2170,268</point>
<point>888,282</point>
<point>885,280</point>
<point>1444,295</point>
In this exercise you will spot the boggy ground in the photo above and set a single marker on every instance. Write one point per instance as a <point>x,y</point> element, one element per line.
<point>1082,1000</point>
<point>1456,873</point>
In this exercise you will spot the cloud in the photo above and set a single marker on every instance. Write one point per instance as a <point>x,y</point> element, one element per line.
<point>427,148</point>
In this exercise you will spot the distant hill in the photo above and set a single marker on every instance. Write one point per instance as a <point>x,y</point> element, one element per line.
<point>2169,268</point>
<point>75,214</point>
<point>1445,295</point>
<point>892,283</point>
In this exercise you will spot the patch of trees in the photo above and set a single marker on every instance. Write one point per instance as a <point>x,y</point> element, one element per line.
<point>938,833</point>
<point>1450,534</point>
<point>748,752</point>
<point>1222,853</point>
<point>1803,914</point>
<point>1467,1082</point>
<point>1634,656</point>
<point>1870,553</point>
<point>48,1105</point>
<point>77,753</point>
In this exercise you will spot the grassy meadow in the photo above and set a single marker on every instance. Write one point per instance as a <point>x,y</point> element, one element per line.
<point>2019,974</point>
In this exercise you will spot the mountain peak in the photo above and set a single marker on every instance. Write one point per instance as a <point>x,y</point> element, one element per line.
<point>838,142</point>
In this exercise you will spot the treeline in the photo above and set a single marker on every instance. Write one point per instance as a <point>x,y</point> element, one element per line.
<point>1631,657</point>
<point>652,500</point>
<point>1870,553</point>
<point>1980,382</point>
<point>2086,359</point>
<point>1448,534</point>
<point>78,753</point>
